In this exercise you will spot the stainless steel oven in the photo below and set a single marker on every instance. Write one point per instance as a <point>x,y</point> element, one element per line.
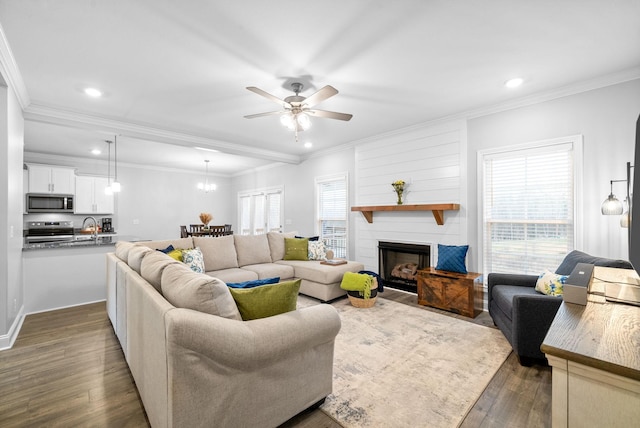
<point>49,231</point>
<point>46,203</point>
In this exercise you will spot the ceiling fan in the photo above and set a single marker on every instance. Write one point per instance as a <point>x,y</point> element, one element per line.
<point>297,108</point>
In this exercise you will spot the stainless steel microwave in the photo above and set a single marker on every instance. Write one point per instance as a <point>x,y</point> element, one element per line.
<point>46,203</point>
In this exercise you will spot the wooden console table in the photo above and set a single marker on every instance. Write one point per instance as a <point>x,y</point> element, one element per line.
<point>454,292</point>
<point>594,352</point>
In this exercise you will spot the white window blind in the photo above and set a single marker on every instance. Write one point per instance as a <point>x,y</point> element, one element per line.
<point>260,211</point>
<point>331,212</point>
<point>529,199</point>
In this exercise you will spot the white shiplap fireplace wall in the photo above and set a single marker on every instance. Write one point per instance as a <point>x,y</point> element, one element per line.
<point>432,160</point>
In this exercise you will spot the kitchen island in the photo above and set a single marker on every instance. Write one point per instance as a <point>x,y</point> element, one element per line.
<point>62,274</point>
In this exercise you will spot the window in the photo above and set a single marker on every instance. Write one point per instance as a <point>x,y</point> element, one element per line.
<point>260,211</point>
<point>529,204</point>
<point>331,213</point>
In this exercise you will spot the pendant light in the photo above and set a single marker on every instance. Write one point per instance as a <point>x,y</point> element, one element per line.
<point>115,186</point>
<point>108,190</point>
<point>206,186</point>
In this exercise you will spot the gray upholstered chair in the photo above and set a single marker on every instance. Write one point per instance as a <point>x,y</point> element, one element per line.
<point>524,315</point>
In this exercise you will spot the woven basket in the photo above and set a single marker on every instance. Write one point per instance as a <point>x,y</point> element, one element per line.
<point>359,302</point>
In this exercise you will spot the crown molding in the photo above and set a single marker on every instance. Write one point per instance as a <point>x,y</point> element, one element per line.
<point>73,161</point>
<point>46,114</point>
<point>10,72</point>
<point>560,92</point>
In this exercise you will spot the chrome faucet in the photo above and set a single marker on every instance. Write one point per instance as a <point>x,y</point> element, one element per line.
<point>95,226</point>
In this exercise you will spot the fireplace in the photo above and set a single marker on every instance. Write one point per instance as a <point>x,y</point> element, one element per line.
<point>399,263</point>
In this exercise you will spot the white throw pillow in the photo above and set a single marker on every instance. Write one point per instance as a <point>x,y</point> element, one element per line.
<point>550,283</point>
<point>193,258</point>
<point>317,250</point>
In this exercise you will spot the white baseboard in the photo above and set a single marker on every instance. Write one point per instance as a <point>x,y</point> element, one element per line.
<point>7,340</point>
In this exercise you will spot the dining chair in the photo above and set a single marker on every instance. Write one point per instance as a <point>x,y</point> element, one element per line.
<point>184,233</point>
<point>196,227</point>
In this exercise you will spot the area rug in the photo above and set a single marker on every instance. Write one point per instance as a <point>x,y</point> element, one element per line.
<point>400,366</point>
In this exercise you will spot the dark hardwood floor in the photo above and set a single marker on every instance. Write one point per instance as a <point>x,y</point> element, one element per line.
<point>67,369</point>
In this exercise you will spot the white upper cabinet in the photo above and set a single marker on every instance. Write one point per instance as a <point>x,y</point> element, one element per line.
<point>51,179</point>
<point>90,196</point>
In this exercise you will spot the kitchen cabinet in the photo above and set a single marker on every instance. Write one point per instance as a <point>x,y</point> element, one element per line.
<point>90,196</point>
<point>51,179</point>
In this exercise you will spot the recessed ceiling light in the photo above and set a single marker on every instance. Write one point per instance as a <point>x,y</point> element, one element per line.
<point>206,149</point>
<point>96,151</point>
<point>93,92</point>
<point>308,145</point>
<point>514,83</point>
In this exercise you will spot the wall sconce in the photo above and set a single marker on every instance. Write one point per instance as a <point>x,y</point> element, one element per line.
<point>613,206</point>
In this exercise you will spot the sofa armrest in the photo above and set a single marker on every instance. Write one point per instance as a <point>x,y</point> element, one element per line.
<point>532,317</point>
<point>262,372</point>
<point>519,280</point>
<point>247,345</point>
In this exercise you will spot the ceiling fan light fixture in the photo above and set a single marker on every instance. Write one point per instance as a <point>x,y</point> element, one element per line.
<point>303,120</point>
<point>287,121</point>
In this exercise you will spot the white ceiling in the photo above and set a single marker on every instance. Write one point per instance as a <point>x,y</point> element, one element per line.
<point>174,73</point>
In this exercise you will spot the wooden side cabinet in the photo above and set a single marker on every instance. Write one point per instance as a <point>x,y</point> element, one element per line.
<point>454,292</point>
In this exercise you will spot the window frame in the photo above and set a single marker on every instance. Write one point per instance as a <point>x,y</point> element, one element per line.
<point>253,194</point>
<point>318,181</point>
<point>576,142</point>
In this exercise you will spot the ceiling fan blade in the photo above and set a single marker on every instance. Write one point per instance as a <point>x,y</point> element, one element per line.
<point>324,93</point>
<point>329,114</point>
<point>268,96</point>
<point>271,113</point>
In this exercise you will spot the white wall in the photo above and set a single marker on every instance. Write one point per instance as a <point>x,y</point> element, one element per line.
<point>605,117</point>
<point>299,191</point>
<point>432,161</point>
<point>11,149</point>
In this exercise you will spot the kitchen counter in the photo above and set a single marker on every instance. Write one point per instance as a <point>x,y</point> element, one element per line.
<point>104,239</point>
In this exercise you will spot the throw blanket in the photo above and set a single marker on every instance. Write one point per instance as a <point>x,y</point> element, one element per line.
<point>357,282</point>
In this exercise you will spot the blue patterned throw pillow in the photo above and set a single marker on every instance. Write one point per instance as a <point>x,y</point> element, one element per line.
<point>194,259</point>
<point>452,258</point>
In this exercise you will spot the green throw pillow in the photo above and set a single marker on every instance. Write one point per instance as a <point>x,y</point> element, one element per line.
<point>266,300</point>
<point>296,249</point>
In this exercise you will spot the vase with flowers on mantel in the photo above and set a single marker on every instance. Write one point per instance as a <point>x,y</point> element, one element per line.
<point>398,187</point>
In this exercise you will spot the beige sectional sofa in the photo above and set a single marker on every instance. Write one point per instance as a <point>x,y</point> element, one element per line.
<point>199,364</point>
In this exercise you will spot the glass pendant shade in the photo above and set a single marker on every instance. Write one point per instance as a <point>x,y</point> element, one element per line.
<point>624,220</point>
<point>611,206</point>
<point>303,120</point>
<point>287,120</point>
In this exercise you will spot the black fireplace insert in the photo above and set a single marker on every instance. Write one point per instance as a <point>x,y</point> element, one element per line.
<point>399,263</point>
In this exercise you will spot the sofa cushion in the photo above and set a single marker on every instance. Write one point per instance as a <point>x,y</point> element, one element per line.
<point>550,283</point>
<point>252,249</point>
<point>185,289</point>
<point>451,258</point>
<point>179,243</point>
<point>268,270</point>
<point>574,257</point>
<point>503,296</point>
<point>323,274</point>
<point>122,250</point>
<point>266,300</point>
<point>153,265</point>
<point>193,259</point>
<point>234,275</point>
<point>296,249</point>
<point>254,283</point>
<point>276,244</point>
<point>218,252</point>
<point>136,254</point>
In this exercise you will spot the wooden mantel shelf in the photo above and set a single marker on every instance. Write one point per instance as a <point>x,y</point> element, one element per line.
<point>437,210</point>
